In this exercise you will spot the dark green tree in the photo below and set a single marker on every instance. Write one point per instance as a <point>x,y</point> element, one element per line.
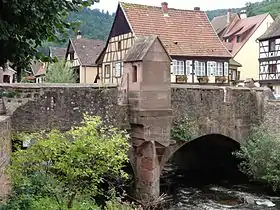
<point>25,24</point>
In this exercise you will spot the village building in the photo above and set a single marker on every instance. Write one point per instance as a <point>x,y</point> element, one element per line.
<point>269,57</point>
<point>8,74</point>
<point>58,52</point>
<point>82,53</point>
<point>239,34</point>
<point>198,55</point>
<point>38,69</point>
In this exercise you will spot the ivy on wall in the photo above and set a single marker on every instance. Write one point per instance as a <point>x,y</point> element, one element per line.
<point>183,130</point>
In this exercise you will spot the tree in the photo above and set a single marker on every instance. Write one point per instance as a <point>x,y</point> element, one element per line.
<point>66,166</point>
<point>25,24</point>
<point>60,72</point>
<point>261,155</point>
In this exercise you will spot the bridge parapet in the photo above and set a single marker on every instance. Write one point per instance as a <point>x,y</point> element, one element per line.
<point>229,111</point>
<point>44,106</point>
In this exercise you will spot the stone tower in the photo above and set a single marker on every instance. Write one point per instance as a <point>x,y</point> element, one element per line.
<point>147,83</point>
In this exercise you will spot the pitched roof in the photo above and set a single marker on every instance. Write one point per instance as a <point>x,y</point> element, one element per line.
<point>38,68</point>
<point>273,31</point>
<point>249,25</point>
<point>141,47</point>
<point>59,52</point>
<point>183,32</point>
<point>87,50</point>
<point>220,22</point>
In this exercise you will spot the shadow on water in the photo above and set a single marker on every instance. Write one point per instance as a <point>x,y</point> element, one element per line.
<point>204,174</point>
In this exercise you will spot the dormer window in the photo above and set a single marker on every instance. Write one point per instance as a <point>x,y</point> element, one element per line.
<point>238,39</point>
<point>272,45</point>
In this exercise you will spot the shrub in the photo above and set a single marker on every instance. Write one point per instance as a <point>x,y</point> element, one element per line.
<point>65,166</point>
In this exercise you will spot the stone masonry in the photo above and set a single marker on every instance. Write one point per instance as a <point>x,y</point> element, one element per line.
<point>5,152</point>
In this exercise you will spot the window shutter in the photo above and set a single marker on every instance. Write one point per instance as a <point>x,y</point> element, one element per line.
<point>209,68</point>
<point>195,68</point>
<point>189,67</point>
<point>226,69</point>
<point>171,68</point>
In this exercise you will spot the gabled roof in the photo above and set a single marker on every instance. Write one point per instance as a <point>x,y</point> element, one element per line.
<point>141,47</point>
<point>273,31</point>
<point>87,50</point>
<point>220,22</point>
<point>38,68</point>
<point>248,25</point>
<point>58,52</point>
<point>183,32</point>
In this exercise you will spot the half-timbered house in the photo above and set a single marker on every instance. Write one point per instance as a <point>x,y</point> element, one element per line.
<point>81,54</point>
<point>269,59</point>
<point>198,55</point>
<point>239,35</point>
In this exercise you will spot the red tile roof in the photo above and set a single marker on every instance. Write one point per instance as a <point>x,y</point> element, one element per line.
<point>183,32</point>
<point>249,25</point>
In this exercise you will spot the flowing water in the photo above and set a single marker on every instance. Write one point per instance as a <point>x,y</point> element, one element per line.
<point>237,194</point>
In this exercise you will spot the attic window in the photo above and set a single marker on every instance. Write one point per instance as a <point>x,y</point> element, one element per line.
<point>134,73</point>
<point>272,45</point>
<point>119,45</point>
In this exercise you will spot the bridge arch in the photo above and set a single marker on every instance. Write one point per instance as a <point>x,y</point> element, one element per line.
<point>206,154</point>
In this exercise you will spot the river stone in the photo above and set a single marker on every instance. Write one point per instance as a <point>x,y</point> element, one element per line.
<point>250,200</point>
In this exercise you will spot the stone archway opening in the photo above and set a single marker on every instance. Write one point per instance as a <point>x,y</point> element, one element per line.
<point>206,160</point>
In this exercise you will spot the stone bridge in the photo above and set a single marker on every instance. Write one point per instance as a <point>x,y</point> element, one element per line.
<point>145,103</point>
<point>214,110</point>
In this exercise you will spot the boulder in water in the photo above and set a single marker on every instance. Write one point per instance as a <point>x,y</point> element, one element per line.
<point>265,202</point>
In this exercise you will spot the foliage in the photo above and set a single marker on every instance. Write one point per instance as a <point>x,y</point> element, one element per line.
<point>25,24</point>
<point>266,6</point>
<point>60,72</point>
<point>261,155</point>
<point>64,167</point>
<point>183,130</point>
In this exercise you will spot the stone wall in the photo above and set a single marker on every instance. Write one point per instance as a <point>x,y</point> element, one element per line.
<point>36,107</point>
<point>272,115</point>
<point>5,151</point>
<point>219,110</point>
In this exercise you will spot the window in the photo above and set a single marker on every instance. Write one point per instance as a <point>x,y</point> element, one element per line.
<point>107,70</point>
<point>119,45</point>
<point>211,68</point>
<point>199,68</point>
<point>118,69</point>
<point>272,68</point>
<point>272,45</point>
<point>134,73</point>
<point>178,67</point>
<point>238,39</point>
<point>219,71</point>
<point>72,56</point>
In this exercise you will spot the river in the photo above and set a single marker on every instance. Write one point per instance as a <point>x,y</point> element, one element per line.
<point>237,193</point>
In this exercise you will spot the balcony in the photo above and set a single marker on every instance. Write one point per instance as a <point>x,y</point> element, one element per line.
<point>74,63</point>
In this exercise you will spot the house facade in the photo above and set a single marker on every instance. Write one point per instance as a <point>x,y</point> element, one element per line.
<point>239,36</point>
<point>198,55</point>
<point>8,75</point>
<point>81,53</point>
<point>269,57</point>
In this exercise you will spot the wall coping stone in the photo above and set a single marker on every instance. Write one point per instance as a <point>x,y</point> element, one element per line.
<point>54,85</point>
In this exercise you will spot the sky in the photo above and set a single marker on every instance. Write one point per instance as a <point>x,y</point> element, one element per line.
<point>111,5</point>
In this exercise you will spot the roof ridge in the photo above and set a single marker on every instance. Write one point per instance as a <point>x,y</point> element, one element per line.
<point>151,6</point>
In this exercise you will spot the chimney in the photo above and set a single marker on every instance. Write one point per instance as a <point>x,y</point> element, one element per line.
<point>243,14</point>
<point>197,9</point>
<point>79,34</point>
<point>164,7</point>
<point>228,16</point>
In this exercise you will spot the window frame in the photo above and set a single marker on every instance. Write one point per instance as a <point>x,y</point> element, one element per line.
<point>107,74</point>
<point>200,69</point>
<point>272,45</point>
<point>118,69</point>
<point>178,67</point>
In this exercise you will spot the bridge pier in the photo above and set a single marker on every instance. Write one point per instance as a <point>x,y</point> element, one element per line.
<point>147,172</point>
<point>146,81</point>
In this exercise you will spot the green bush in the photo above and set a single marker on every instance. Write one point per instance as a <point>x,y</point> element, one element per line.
<point>65,169</point>
<point>261,156</point>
